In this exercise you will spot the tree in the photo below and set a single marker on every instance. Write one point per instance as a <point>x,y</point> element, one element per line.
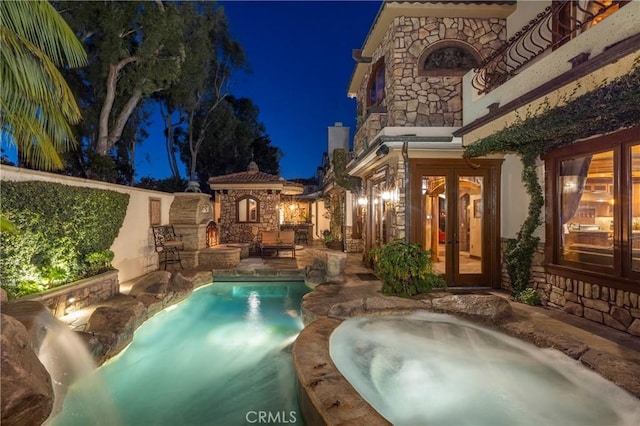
<point>234,138</point>
<point>207,70</point>
<point>136,49</point>
<point>36,104</point>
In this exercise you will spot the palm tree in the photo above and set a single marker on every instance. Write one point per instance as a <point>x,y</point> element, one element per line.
<point>36,104</point>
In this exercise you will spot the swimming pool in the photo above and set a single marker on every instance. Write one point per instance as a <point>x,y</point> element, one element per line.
<point>220,357</point>
<point>428,368</point>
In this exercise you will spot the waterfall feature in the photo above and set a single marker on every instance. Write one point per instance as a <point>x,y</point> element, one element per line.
<point>65,357</point>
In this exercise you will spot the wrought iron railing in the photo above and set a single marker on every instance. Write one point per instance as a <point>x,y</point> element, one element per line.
<point>555,25</point>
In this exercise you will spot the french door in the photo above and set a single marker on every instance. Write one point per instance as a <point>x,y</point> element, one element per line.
<point>455,216</point>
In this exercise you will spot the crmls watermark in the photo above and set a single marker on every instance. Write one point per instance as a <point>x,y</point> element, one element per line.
<point>278,417</point>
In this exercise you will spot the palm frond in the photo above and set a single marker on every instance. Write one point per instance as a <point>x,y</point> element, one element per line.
<point>36,104</point>
<point>42,24</point>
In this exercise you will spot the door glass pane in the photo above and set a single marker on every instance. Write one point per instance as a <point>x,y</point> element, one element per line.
<point>586,209</point>
<point>635,207</point>
<point>434,206</point>
<point>379,211</point>
<point>469,226</point>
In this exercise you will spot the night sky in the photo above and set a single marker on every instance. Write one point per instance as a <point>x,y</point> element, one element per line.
<point>300,56</point>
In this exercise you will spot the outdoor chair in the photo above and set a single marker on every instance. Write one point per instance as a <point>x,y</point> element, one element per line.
<point>302,236</point>
<point>168,245</point>
<point>274,241</point>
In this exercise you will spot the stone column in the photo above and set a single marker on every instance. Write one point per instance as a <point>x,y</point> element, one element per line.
<point>190,213</point>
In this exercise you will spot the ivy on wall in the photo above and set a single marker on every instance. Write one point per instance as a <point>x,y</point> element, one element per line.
<point>63,234</point>
<point>612,106</point>
<point>351,183</point>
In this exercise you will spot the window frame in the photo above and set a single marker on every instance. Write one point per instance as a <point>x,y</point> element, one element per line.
<point>378,70</point>
<point>447,72</point>
<point>621,274</point>
<point>247,207</point>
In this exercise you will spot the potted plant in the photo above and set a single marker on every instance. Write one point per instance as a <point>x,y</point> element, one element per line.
<point>406,269</point>
<point>332,241</point>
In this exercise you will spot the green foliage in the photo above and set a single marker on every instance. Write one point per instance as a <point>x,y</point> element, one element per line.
<point>170,184</point>
<point>36,104</point>
<point>333,206</point>
<point>234,137</point>
<point>406,269</point>
<point>99,262</point>
<point>528,296</point>
<point>63,233</point>
<point>328,237</point>
<point>352,183</point>
<point>612,106</point>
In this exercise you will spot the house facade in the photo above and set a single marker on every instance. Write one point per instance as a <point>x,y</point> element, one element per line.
<point>249,203</point>
<point>435,78</point>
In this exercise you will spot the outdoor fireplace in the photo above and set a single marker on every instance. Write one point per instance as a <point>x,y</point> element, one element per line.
<point>212,234</point>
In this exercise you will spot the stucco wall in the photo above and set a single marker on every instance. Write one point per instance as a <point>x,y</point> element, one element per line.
<point>133,247</point>
<point>614,28</point>
<point>515,200</point>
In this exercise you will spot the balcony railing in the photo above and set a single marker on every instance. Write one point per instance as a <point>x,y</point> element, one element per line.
<point>554,26</point>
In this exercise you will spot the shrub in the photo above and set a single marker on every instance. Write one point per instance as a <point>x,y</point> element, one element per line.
<point>99,262</point>
<point>406,269</point>
<point>528,296</point>
<point>63,234</point>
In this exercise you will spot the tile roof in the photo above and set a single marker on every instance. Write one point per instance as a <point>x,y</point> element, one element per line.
<point>253,176</point>
<point>246,177</point>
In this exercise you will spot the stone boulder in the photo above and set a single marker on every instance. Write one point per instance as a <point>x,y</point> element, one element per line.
<point>318,302</point>
<point>114,324</point>
<point>198,278</point>
<point>151,291</point>
<point>154,283</point>
<point>178,289</point>
<point>479,307</point>
<point>624,373</point>
<point>324,265</point>
<point>26,394</point>
<point>380,305</point>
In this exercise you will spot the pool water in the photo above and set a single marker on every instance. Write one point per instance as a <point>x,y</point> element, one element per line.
<point>434,369</point>
<point>221,357</point>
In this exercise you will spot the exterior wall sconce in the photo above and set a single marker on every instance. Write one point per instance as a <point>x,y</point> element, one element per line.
<point>382,151</point>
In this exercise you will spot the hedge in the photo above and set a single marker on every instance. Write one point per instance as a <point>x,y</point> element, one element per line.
<point>63,234</point>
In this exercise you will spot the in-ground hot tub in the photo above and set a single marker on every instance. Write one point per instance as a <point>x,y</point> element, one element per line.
<point>427,368</point>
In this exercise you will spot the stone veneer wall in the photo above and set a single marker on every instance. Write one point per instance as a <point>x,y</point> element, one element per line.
<point>397,218</point>
<point>233,232</point>
<point>368,130</point>
<point>414,100</point>
<point>615,308</point>
<point>354,245</point>
<point>79,294</point>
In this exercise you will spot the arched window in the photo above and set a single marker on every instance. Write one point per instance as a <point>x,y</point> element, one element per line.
<point>248,209</point>
<point>376,84</point>
<point>448,58</point>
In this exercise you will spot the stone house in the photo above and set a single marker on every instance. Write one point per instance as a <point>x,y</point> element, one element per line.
<point>249,203</point>
<point>433,78</point>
